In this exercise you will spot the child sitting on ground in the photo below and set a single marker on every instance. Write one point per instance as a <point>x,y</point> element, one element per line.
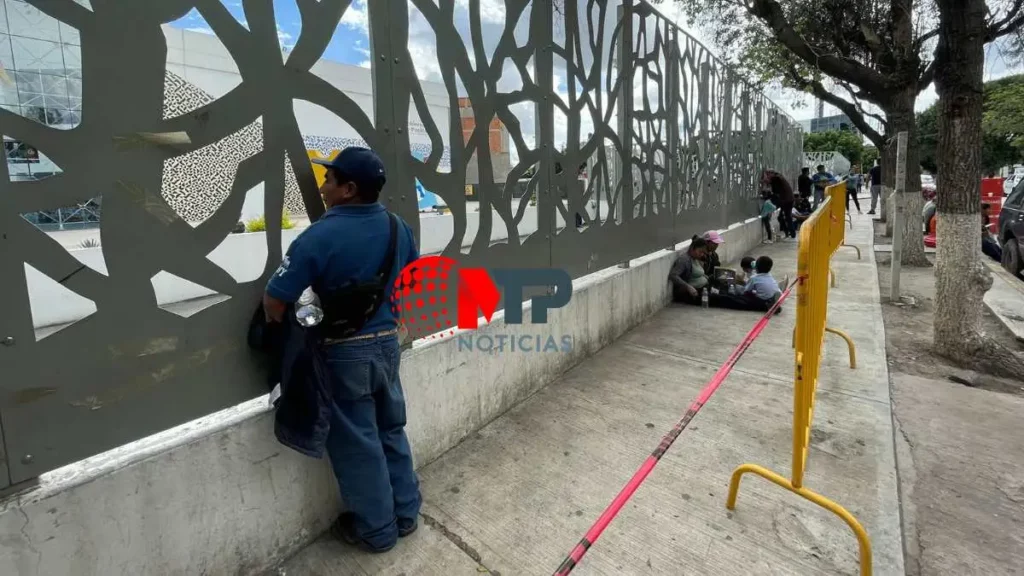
<point>762,286</point>
<point>743,276</point>
<point>746,270</point>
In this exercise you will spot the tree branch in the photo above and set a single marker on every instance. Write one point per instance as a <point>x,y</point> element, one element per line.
<point>879,49</point>
<point>1013,21</point>
<point>927,77</point>
<point>852,111</point>
<point>771,13</point>
<point>919,43</point>
<point>860,107</point>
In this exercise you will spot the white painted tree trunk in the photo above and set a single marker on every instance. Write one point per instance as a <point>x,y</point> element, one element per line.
<point>961,280</point>
<point>961,277</point>
<point>913,229</point>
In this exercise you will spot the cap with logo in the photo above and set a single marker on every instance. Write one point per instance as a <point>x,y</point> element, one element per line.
<point>360,165</point>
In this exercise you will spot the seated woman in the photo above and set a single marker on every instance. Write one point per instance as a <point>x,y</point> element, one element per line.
<point>687,274</point>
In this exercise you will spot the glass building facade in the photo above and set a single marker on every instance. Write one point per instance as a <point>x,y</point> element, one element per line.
<point>41,79</point>
<point>829,123</point>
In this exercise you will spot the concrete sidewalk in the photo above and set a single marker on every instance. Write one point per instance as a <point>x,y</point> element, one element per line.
<point>516,496</point>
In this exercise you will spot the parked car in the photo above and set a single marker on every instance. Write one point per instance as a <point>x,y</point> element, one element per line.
<point>1011,181</point>
<point>1011,230</point>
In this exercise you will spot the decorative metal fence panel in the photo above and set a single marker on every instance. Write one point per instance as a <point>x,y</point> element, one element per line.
<point>632,135</point>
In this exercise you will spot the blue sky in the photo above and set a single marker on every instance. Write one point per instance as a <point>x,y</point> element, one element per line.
<point>350,44</point>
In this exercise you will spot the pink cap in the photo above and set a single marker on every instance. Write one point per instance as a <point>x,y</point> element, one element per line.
<point>714,237</point>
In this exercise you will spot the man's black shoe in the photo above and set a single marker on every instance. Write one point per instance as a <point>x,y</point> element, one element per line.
<point>345,529</point>
<point>406,527</point>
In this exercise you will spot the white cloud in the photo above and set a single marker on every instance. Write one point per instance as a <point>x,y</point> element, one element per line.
<point>424,59</point>
<point>285,39</point>
<point>356,16</point>
<point>362,48</point>
<point>492,11</point>
<point>199,29</point>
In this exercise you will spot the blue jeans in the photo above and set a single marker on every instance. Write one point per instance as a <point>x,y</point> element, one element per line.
<point>367,444</point>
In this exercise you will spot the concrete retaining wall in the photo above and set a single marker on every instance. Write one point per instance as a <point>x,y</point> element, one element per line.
<point>220,496</point>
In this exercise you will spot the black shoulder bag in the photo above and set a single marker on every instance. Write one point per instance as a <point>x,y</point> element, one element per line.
<point>349,308</point>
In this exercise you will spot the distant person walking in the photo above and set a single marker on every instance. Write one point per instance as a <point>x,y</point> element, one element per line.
<point>875,175</point>
<point>853,188</point>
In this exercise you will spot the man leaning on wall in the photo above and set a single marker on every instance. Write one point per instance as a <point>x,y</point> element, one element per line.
<point>352,254</point>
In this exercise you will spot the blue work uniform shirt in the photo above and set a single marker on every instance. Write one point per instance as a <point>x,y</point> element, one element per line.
<point>346,245</point>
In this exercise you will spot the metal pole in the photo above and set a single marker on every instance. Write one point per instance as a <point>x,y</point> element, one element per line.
<point>671,160</point>
<point>898,217</point>
<point>624,206</point>
<point>548,194</point>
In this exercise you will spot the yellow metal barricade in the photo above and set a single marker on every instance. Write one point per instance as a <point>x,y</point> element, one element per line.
<point>837,192</point>
<point>820,236</point>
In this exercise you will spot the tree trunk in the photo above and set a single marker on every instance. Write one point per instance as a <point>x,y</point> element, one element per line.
<point>901,118</point>
<point>961,277</point>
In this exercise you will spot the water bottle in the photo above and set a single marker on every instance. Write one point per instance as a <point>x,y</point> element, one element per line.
<point>704,298</point>
<point>307,310</point>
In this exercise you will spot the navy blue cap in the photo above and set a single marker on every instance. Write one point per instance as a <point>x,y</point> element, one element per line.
<point>360,165</point>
